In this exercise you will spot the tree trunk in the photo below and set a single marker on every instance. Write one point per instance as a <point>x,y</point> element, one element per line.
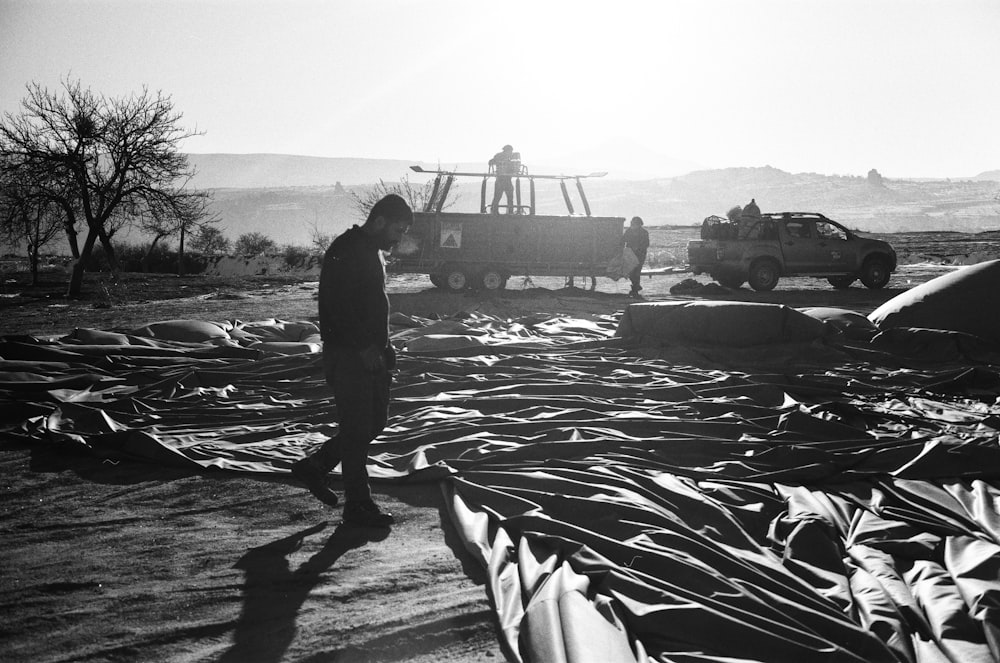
<point>34,246</point>
<point>33,262</point>
<point>74,246</point>
<point>109,251</point>
<point>180,252</point>
<point>149,254</point>
<point>76,277</point>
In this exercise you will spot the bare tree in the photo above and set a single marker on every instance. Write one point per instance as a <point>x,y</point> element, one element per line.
<point>254,244</point>
<point>193,216</point>
<point>320,240</point>
<point>181,215</point>
<point>102,160</point>
<point>415,194</point>
<point>210,240</point>
<point>26,219</point>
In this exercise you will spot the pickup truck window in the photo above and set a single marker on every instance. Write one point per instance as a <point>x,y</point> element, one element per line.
<point>829,231</point>
<point>799,229</point>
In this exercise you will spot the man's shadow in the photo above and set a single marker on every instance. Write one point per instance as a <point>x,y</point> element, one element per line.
<point>273,593</point>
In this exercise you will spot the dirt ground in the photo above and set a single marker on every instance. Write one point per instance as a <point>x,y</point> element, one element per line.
<point>127,561</point>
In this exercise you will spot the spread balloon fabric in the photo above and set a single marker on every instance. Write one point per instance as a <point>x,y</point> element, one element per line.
<point>816,496</point>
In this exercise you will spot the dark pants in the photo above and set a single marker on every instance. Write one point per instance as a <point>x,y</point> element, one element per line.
<point>635,275</point>
<point>504,185</point>
<point>362,411</point>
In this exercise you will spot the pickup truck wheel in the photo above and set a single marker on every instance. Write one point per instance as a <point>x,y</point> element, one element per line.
<point>456,280</point>
<point>875,273</point>
<point>764,275</point>
<point>842,282</point>
<point>493,280</point>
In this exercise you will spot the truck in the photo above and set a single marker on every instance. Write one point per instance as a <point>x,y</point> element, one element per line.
<point>482,249</point>
<point>788,244</point>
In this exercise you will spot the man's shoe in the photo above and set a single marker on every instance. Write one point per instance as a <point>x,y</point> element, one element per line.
<point>315,479</point>
<point>366,514</point>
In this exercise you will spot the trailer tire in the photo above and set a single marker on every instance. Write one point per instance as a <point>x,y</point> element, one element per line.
<point>764,274</point>
<point>493,279</point>
<point>456,279</point>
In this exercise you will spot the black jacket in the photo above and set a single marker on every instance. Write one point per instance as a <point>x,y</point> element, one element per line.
<point>353,305</point>
<point>636,239</point>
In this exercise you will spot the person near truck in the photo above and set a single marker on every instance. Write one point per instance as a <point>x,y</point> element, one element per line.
<point>504,164</point>
<point>636,239</point>
<point>357,358</point>
<point>750,220</point>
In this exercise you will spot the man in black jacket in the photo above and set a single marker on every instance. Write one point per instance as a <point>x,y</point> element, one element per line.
<point>357,357</point>
<point>636,238</point>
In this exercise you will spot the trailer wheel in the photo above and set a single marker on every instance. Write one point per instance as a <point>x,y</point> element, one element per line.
<point>764,274</point>
<point>493,280</point>
<point>456,280</point>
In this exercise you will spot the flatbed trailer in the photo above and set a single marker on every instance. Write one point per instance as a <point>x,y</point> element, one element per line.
<point>469,250</point>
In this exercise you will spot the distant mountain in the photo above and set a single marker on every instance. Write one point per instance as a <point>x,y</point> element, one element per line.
<point>263,171</point>
<point>992,175</point>
<point>621,158</point>
<point>892,206</point>
<point>291,198</point>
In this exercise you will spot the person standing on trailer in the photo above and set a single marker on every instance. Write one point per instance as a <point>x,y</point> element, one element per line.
<point>505,164</point>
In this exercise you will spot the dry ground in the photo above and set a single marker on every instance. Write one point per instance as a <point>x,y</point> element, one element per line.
<point>127,562</point>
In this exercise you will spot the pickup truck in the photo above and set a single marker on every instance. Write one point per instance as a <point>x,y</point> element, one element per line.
<point>789,244</point>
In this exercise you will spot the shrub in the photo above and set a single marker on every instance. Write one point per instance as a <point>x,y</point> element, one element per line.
<point>295,255</point>
<point>209,240</point>
<point>665,257</point>
<point>97,261</point>
<point>320,240</point>
<point>163,259</point>
<point>253,244</point>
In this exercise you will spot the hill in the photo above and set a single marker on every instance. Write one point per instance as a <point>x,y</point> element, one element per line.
<point>287,197</point>
<point>887,206</point>
<point>249,171</point>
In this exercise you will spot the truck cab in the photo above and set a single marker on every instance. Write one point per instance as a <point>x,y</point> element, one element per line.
<point>789,244</point>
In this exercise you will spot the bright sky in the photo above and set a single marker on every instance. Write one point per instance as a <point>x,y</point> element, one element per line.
<point>830,86</point>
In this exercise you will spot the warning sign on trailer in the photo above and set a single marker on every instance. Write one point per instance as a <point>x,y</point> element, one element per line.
<point>451,235</point>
